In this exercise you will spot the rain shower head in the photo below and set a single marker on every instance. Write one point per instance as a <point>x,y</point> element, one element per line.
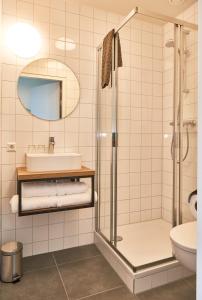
<point>170,43</point>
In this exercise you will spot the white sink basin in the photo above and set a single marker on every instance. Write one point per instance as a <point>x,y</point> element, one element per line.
<point>36,162</point>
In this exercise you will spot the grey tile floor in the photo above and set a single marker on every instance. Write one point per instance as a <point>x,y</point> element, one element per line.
<point>82,273</point>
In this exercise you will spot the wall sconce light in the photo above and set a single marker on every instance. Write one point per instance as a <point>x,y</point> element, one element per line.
<point>23,39</point>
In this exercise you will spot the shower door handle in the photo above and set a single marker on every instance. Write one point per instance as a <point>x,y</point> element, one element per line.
<point>114,139</point>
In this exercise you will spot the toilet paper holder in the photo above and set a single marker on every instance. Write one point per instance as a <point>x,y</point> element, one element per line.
<point>190,196</point>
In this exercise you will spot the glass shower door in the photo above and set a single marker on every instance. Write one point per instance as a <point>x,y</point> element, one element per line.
<point>145,87</point>
<point>105,157</point>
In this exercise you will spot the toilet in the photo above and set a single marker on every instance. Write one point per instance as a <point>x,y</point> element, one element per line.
<point>183,238</point>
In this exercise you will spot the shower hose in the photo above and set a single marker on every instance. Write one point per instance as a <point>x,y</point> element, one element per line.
<point>187,145</point>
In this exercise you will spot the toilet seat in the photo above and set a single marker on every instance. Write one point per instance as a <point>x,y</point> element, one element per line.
<point>184,236</point>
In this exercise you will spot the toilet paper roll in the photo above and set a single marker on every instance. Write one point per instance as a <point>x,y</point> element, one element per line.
<point>193,205</point>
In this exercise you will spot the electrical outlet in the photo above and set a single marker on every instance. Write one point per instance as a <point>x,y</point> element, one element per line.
<point>11,147</point>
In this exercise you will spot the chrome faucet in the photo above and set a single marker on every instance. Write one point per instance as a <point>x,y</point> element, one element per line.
<point>51,144</point>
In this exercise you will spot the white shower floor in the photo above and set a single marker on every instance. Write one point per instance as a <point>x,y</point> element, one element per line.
<point>145,242</point>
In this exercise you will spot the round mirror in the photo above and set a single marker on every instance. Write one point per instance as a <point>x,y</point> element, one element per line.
<point>48,89</point>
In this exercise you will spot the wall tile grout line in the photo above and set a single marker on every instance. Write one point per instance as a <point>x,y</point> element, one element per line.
<point>60,277</point>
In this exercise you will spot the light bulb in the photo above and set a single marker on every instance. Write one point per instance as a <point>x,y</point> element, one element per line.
<point>24,40</point>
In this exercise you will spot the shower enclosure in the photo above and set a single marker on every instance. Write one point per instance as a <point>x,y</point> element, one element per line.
<point>146,137</point>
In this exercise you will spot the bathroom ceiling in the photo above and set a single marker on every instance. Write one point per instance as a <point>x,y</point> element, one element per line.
<point>125,6</point>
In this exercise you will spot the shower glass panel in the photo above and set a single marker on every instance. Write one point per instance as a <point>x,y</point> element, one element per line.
<point>145,166</point>
<point>104,155</point>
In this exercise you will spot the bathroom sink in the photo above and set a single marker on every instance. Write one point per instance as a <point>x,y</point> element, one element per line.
<point>36,162</point>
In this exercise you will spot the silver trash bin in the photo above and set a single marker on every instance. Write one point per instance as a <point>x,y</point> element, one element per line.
<point>11,261</point>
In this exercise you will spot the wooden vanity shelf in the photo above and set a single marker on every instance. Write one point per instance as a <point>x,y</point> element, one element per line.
<point>75,175</point>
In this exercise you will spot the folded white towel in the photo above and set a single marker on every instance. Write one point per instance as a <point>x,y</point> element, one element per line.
<point>31,203</point>
<point>14,203</point>
<point>38,189</point>
<point>68,188</point>
<point>74,199</point>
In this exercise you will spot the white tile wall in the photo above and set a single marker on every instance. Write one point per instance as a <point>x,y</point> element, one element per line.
<point>54,20</point>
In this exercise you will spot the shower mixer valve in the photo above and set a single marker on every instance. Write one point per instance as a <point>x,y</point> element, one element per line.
<point>191,123</point>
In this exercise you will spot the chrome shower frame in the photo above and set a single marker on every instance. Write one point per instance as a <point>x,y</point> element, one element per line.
<point>179,26</point>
